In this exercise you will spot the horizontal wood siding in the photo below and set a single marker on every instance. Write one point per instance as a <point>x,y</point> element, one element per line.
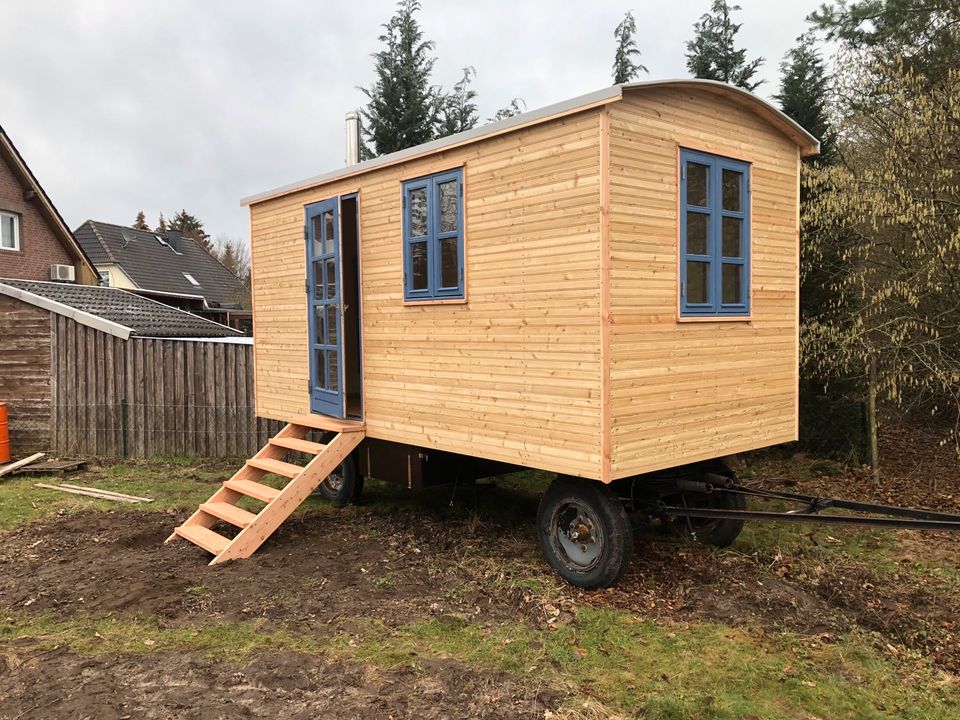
<point>25,374</point>
<point>513,374</point>
<point>682,392</point>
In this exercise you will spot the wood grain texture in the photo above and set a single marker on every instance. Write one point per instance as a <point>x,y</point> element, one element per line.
<point>683,392</point>
<point>568,354</point>
<point>25,380</point>
<point>514,373</point>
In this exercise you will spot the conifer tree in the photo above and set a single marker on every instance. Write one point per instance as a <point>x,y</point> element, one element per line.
<point>922,35</point>
<point>162,225</point>
<point>514,107</point>
<point>624,67</point>
<point>713,54</point>
<point>403,106</point>
<point>192,227</point>
<point>459,111</point>
<point>805,94</point>
<point>141,222</point>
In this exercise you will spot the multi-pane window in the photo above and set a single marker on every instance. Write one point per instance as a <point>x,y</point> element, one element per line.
<point>714,235</point>
<point>433,237</point>
<point>9,231</point>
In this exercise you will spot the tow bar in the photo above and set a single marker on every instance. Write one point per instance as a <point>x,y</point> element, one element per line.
<point>808,510</point>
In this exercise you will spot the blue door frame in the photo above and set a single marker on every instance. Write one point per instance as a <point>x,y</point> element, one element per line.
<point>325,319</point>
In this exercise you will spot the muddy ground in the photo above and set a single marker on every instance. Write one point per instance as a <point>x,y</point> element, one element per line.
<point>331,572</point>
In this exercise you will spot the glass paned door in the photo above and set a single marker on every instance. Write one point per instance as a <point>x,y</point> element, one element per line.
<point>323,304</point>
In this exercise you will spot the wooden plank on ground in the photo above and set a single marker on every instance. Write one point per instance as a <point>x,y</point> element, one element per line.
<point>7,469</point>
<point>101,491</point>
<point>51,467</point>
<point>88,493</point>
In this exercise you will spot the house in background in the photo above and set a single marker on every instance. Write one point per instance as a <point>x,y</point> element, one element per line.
<point>169,268</point>
<point>35,242</point>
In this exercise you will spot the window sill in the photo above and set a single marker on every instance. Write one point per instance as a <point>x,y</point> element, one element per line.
<point>444,301</point>
<point>714,318</point>
<point>12,250</point>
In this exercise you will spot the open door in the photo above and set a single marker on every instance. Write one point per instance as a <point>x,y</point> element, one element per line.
<point>333,291</point>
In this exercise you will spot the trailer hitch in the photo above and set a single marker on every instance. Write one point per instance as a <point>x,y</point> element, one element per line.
<point>890,516</point>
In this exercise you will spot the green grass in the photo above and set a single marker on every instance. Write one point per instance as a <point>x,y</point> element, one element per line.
<point>693,672</point>
<point>21,502</point>
<point>878,549</point>
<point>628,666</point>
<point>96,636</point>
<point>622,665</point>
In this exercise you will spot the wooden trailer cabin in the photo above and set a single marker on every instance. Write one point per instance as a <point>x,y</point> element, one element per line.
<point>606,288</point>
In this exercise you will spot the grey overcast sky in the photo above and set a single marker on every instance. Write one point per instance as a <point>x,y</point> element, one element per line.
<point>123,105</point>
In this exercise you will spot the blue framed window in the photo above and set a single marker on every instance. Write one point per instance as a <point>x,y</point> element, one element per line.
<point>433,237</point>
<point>714,235</point>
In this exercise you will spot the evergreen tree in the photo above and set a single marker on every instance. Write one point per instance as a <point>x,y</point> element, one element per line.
<point>804,95</point>
<point>624,67</point>
<point>403,106</point>
<point>713,55</point>
<point>920,34</point>
<point>191,226</point>
<point>459,111</point>
<point>514,107</point>
<point>141,222</point>
<point>162,225</point>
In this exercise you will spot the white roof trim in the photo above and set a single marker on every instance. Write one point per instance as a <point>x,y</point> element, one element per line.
<point>84,318</point>
<point>583,102</point>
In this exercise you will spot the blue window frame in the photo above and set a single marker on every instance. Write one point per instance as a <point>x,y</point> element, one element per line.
<point>433,237</point>
<point>714,235</point>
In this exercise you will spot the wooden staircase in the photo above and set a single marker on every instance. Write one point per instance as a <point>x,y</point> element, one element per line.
<point>255,528</point>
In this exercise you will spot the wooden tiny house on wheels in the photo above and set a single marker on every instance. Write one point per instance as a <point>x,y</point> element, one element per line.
<point>606,288</point>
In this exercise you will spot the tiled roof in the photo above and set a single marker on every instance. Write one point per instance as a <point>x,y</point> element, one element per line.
<point>155,265</point>
<point>142,316</point>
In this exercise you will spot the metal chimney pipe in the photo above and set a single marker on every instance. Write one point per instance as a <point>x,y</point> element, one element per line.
<point>353,137</point>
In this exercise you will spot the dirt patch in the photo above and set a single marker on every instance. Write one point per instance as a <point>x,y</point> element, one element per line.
<point>42,685</point>
<point>315,570</point>
<point>328,571</point>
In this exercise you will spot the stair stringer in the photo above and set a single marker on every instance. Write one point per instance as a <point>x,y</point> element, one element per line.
<point>290,498</point>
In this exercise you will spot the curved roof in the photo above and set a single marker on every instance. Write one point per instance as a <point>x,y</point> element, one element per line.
<point>807,143</point>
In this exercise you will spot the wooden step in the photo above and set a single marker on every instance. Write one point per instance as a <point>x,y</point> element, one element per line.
<point>255,528</point>
<point>252,489</point>
<point>304,446</point>
<point>278,467</point>
<point>207,539</point>
<point>324,422</point>
<point>230,513</point>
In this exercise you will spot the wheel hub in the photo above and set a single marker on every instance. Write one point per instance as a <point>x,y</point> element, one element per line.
<point>577,536</point>
<point>334,480</point>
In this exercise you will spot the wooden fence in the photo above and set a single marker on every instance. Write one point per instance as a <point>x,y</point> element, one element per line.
<point>143,397</point>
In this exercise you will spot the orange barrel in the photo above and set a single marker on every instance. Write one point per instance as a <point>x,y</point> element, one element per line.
<point>4,435</point>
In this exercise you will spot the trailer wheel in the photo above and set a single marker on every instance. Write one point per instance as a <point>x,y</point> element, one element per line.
<point>716,532</point>
<point>584,532</point>
<point>344,484</point>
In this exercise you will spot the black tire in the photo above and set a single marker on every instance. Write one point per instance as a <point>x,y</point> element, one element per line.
<point>344,485</point>
<point>601,520</point>
<point>719,533</point>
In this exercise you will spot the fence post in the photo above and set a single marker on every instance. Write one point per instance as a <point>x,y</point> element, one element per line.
<point>123,426</point>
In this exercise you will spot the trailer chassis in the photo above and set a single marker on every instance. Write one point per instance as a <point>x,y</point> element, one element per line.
<point>808,510</point>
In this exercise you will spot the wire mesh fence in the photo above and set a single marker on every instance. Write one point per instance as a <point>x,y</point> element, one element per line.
<point>138,430</point>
